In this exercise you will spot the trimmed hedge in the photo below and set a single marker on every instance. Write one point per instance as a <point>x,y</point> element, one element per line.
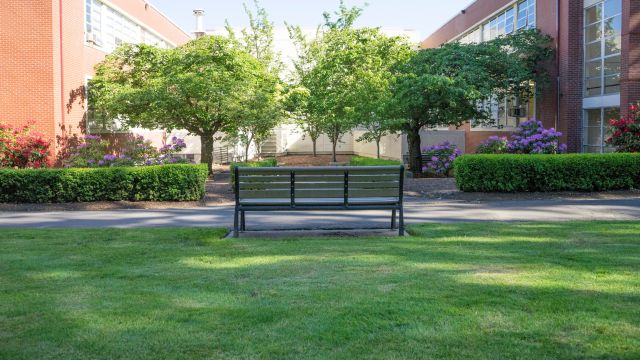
<point>547,173</point>
<point>178,182</point>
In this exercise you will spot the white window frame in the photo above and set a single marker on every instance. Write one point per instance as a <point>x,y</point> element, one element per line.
<point>603,56</point>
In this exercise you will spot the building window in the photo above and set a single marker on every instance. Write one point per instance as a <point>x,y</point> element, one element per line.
<point>93,19</point>
<point>472,37</point>
<point>602,47</point>
<point>596,129</point>
<point>107,28</point>
<point>526,15</point>
<point>507,114</point>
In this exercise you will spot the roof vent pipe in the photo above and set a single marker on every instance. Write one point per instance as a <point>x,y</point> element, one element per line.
<point>199,14</point>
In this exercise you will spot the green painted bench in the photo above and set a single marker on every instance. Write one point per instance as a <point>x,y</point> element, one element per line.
<point>318,188</point>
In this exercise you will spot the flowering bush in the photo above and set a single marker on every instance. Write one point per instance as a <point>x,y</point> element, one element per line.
<point>135,151</point>
<point>22,148</point>
<point>530,138</point>
<point>440,157</point>
<point>626,137</point>
<point>493,145</point>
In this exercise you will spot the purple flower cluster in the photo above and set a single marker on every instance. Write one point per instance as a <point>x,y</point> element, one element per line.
<point>532,138</point>
<point>441,157</point>
<point>176,145</point>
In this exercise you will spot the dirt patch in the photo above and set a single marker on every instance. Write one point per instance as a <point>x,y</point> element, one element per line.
<point>310,160</point>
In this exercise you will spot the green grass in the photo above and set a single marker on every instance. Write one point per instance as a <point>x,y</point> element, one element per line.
<point>366,161</point>
<point>457,291</point>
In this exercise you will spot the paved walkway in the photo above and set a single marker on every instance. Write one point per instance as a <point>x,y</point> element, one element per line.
<point>415,212</point>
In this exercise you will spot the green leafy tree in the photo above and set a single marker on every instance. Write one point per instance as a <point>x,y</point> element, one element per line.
<point>449,85</point>
<point>426,100</point>
<point>349,77</point>
<point>200,86</point>
<point>263,109</point>
<point>376,129</point>
<point>298,95</point>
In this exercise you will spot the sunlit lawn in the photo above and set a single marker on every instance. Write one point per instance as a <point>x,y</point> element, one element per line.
<point>462,291</point>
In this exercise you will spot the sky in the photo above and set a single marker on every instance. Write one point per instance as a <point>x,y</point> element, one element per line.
<point>425,16</point>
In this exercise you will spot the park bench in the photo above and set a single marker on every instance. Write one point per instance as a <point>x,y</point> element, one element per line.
<point>318,188</point>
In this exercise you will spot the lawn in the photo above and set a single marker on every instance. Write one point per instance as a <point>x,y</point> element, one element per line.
<point>457,291</point>
<point>367,161</point>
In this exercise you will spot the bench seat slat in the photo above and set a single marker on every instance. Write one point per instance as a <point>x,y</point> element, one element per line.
<point>265,186</point>
<point>266,194</point>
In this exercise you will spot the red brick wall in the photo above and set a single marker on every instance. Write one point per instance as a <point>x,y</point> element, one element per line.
<point>42,80</point>
<point>26,64</point>
<point>630,80</point>
<point>570,54</point>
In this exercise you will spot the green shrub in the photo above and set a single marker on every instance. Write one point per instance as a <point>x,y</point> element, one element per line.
<point>547,173</point>
<point>252,164</point>
<point>150,183</point>
<point>366,161</point>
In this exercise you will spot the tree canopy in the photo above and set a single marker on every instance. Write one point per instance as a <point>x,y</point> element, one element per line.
<point>201,86</point>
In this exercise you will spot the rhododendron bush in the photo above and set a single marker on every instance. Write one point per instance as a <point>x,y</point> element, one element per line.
<point>439,158</point>
<point>20,147</point>
<point>93,151</point>
<point>530,138</point>
<point>626,135</point>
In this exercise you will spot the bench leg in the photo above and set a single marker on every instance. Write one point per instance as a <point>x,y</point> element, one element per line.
<point>243,225</point>
<point>236,231</point>
<point>393,219</point>
<point>401,227</point>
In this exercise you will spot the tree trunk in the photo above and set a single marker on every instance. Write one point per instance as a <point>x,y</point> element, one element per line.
<point>246,151</point>
<point>334,144</point>
<point>206,156</point>
<point>415,155</point>
<point>378,148</point>
<point>315,142</point>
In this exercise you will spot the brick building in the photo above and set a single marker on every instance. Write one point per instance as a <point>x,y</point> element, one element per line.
<point>596,72</point>
<point>48,49</point>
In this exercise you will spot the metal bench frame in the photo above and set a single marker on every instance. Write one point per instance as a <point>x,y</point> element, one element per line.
<point>363,203</point>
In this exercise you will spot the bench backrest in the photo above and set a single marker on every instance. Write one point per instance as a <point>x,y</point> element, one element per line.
<point>319,183</point>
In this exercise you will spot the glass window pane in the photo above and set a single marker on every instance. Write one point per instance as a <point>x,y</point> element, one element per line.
<point>612,65</point>
<point>593,136</point>
<point>593,118</point>
<point>612,45</point>
<point>594,50</point>
<point>612,7</point>
<point>612,84</point>
<point>593,32</point>
<point>594,86</point>
<point>593,14</point>
<point>613,26</point>
<point>594,69</point>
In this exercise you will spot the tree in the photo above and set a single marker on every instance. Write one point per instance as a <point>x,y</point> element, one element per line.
<point>425,100</point>
<point>377,128</point>
<point>263,108</point>
<point>450,84</point>
<point>199,87</point>
<point>297,99</point>
<point>349,80</point>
